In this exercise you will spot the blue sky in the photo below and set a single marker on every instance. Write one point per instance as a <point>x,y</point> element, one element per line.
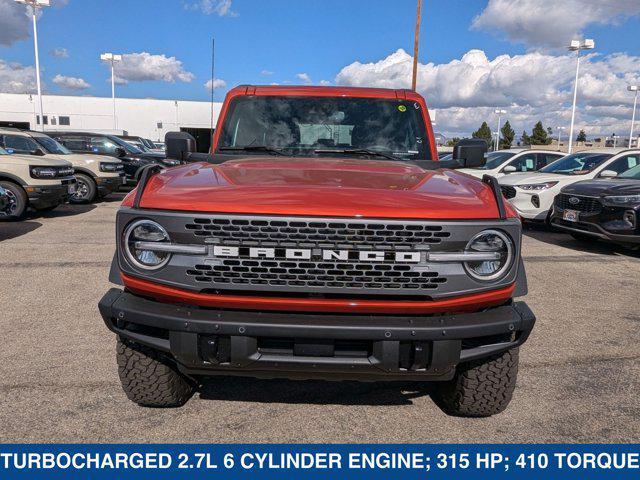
<point>318,38</point>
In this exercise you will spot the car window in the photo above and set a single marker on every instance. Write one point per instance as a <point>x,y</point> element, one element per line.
<point>545,159</point>
<point>577,163</point>
<point>623,164</point>
<point>18,144</point>
<point>524,163</point>
<point>103,145</point>
<point>75,144</point>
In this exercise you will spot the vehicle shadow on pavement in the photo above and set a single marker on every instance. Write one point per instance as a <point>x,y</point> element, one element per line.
<point>67,210</point>
<point>9,230</point>
<point>542,233</point>
<point>312,392</point>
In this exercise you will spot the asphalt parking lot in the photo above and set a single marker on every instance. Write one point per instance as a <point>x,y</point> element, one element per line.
<point>579,373</point>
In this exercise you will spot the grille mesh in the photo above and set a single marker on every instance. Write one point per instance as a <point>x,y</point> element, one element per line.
<point>508,191</point>
<point>585,205</point>
<point>288,233</point>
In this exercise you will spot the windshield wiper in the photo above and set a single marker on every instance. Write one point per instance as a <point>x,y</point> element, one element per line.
<point>360,151</point>
<point>254,148</point>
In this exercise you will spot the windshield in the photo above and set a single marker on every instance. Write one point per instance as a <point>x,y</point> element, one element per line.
<point>51,146</point>
<point>577,163</point>
<point>302,125</point>
<point>148,143</point>
<point>3,151</point>
<point>631,174</point>
<point>495,159</point>
<point>127,146</point>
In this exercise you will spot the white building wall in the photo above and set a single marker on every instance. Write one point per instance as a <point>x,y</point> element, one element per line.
<point>139,116</point>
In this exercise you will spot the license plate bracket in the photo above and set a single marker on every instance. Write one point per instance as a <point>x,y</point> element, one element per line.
<point>571,215</point>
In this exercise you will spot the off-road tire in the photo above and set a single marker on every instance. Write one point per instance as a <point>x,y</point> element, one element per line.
<point>19,196</point>
<point>480,388</point>
<point>87,185</point>
<point>582,237</point>
<point>149,378</point>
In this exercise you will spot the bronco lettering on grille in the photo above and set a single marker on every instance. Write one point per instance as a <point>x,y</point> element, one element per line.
<point>308,254</point>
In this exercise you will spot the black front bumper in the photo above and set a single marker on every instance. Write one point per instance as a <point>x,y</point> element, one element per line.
<point>594,225</point>
<point>107,185</point>
<point>49,195</point>
<point>303,345</point>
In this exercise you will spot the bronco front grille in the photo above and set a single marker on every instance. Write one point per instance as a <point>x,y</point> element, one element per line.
<point>578,203</point>
<point>287,233</point>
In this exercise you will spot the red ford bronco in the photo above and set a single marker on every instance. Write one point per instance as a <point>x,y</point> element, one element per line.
<point>320,238</point>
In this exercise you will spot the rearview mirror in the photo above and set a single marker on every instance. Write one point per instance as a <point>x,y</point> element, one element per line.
<point>471,153</point>
<point>38,152</point>
<point>179,145</point>
<point>608,174</point>
<point>120,152</point>
<point>509,169</point>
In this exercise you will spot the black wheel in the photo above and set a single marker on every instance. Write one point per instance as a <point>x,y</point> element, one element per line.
<point>149,378</point>
<point>480,388</point>
<point>86,189</point>
<point>582,237</point>
<point>18,202</point>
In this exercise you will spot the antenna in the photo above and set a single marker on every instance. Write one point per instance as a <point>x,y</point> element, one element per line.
<point>213,83</point>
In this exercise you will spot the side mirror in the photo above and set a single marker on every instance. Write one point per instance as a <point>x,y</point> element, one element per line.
<point>509,169</point>
<point>471,153</point>
<point>120,152</point>
<point>38,152</point>
<point>608,174</point>
<point>179,145</point>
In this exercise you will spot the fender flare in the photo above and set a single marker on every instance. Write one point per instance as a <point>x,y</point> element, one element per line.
<point>13,178</point>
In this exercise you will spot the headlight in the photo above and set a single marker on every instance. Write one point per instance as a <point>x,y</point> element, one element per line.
<point>109,167</point>
<point>536,187</point>
<point>140,232</point>
<point>43,172</point>
<point>621,200</point>
<point>490,241</point>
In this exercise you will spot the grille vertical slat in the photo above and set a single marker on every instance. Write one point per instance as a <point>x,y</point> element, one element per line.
<point>583,205</point>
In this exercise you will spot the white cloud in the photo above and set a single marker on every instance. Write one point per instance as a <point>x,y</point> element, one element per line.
<point>71,83</point>
<point>324,83</point>
<point>304,78</point>
<point>215,83</point>
<point>59,53</point>
<point>17,78</point>
<point>140,67</point>
<point>266,73</point>
<point>531,87</point>
<point>222,8</point>
<point>14,23</point>
<point>551,23</point>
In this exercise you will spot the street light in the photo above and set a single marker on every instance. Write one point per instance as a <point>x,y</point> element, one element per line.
<point>560,134</point>
<point>112,59</point>
<point>498,112</point>
<point>633,88</point>
<point>577,46</point>
<point>35,4</point>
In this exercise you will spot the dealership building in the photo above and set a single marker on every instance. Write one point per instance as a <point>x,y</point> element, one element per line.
<point>145,117</point>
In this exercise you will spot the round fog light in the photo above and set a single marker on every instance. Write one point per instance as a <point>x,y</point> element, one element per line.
<point>490,241</point>
<point>139,233</point>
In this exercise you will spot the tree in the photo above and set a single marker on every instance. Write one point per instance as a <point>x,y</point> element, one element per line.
<point>484,132</point>
<point>507,134</point>
<point>453,141</point>
<point>539,135</point>
<point>525,139</point>
<point>582,136</point>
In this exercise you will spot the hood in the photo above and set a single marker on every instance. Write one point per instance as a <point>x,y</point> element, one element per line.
<point>535,177</point>
<point>474,172</point>
<point>79,159</point>
<point>601,187</point>
<point>35,160</point>
<point>320,187</point>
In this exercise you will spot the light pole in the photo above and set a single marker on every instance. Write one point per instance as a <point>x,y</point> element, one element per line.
<point>416,42</point>
<point>35,4</point>
<point>498,112</point>
<point>577,46</point>
<point>560,135</point>
<point>633,88</point>
<point>112,59</point>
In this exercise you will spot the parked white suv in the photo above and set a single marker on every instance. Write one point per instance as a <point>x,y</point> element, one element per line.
<point>532,194</point>
<point>97,175</point>
<point>33,181</point>
<point>516,160</point>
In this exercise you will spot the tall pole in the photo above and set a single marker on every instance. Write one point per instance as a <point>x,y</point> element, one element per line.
<point>213,83</point>
<point>575,98</point>
<point>35,47</point>
<point>113,95</point>
<point>416,42</point>
<point>633,116</point>
<point>497,134</point>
